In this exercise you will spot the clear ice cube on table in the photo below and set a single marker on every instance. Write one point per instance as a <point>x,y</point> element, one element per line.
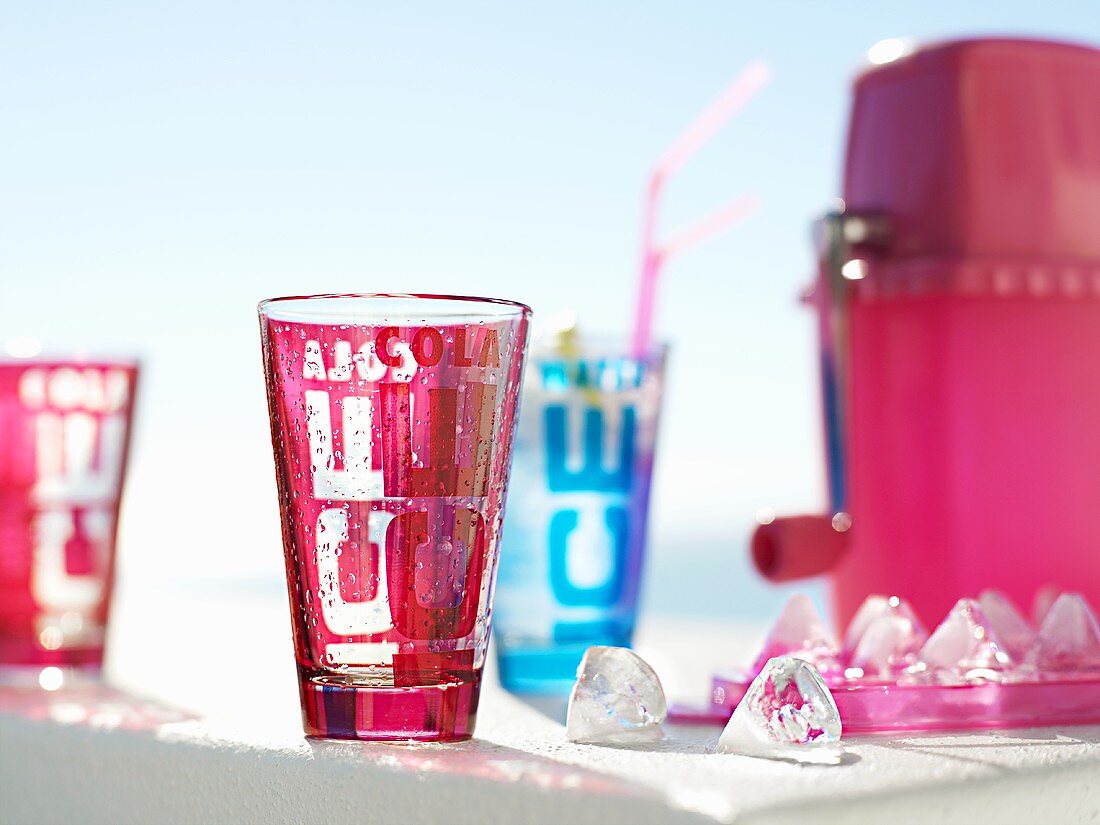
<point>964,648</point>
<point>787,713</point>
<point>800,632</point>
<point>1014,631</point>
<point>1068,641</point>
<point>616,700</point>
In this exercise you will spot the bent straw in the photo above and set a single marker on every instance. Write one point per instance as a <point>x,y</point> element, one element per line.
<point>654,254</point>
<point>712,224</point>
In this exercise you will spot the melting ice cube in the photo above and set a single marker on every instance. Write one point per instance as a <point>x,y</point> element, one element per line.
<point>617,699</point>
<point>787,713</point>
<point>800,632</point>
<point>963,648</point>
<point>1069,639</point>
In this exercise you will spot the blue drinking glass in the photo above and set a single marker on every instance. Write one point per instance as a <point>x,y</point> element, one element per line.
<point>574,539</point>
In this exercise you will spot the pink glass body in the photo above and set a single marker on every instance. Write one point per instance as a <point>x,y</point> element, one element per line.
<point>392,423</point>
<point>64,437</point>
<point>969,455</point>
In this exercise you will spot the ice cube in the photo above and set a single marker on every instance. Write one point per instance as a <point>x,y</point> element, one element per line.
<point>963,648</point>
<point>1014,631</point>
<point>1069,639</point>
<point>617,699</point>
<point>872,607</point>
<point>1045,596</point>
<point>787,713</point>
<point>883,638</point>
<point>887,647</point>
<point>800,632</point>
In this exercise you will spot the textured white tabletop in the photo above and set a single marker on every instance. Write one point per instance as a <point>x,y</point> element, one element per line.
<point>222,743</point>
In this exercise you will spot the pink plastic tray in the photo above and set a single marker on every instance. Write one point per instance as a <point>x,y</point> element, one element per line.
<point>977,670</point>
<point>875,708</point>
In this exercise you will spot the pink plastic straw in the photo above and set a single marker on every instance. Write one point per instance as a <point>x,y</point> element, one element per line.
<point>654,254</point>
<point>721,218</point>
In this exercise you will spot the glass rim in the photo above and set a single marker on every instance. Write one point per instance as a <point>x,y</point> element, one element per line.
<point>75,359</point>
<point>594,345</point>
<point>270,307</point>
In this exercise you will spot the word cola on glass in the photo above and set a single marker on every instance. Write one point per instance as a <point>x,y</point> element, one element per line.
<point>64,439</point>
<point>392,419</point>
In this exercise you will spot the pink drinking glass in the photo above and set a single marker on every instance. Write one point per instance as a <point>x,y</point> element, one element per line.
<point>64,437</point>
<point>392,419</point>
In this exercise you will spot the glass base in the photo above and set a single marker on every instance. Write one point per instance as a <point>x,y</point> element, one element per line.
<point>429,713</point>
<point>544,670</point>
<point>17,652</point>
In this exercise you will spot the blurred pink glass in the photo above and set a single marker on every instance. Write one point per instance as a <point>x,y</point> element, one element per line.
<point>64,437</point>
<point>392,419</point>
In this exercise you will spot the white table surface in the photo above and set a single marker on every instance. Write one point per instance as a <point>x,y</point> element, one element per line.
<point>202,726</point>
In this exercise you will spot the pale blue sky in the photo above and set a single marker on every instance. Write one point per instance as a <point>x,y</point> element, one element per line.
<point>166,165</point>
